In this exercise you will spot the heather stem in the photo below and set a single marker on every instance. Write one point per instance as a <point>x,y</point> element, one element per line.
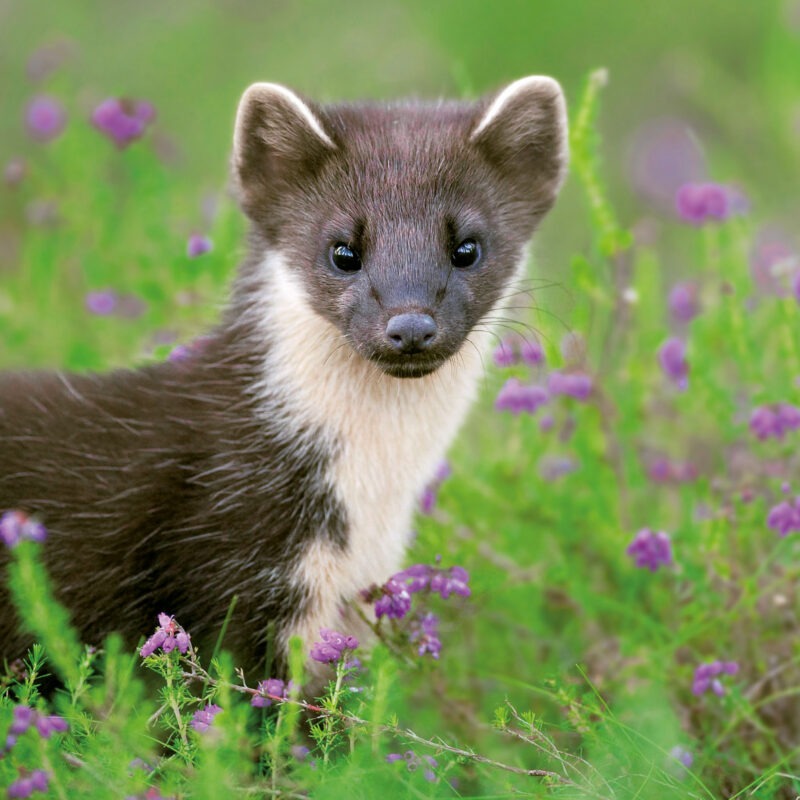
<point>334,705</point>
<point>173,703</point>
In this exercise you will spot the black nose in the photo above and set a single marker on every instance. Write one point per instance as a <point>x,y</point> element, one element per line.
<point>411,333</point>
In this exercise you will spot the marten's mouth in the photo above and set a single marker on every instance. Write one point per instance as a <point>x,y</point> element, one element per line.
<point>417,365</point>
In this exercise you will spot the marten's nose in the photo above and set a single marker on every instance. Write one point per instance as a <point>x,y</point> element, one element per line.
<point>411,333</point>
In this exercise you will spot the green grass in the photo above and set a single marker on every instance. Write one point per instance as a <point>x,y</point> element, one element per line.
<point>567,658</point>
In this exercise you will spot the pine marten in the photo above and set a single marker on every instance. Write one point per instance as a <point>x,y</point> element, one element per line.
<point>280,461</point>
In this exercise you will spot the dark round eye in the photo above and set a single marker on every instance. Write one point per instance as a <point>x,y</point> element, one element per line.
<point>344,258</point>
<point>466,254</point>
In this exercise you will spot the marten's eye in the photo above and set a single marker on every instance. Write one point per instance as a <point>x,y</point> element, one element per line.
<point>466,254</point>
<point>344,258</point>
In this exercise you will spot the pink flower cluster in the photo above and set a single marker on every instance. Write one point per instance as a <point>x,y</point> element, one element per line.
<point>774,421</point>
<point>202,719</point>
<point>698,203</point>
<point>651,549</point>
<point>268,691</point>
<point>513,349</point>
<point>706,676</point>
<point>17,526</point>
<point>123,121</point>
<point>333,646</point>
<point>785,517</point>
<point>517,397</point>
<point>168,636</point>
<point>672,357</point>
<point>25,717</point>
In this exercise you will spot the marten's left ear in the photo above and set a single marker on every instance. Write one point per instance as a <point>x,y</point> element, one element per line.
<point>278,138</point>
<point>522,131</point>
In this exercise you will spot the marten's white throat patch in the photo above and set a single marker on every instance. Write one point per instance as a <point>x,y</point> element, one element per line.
<point>385,435</point>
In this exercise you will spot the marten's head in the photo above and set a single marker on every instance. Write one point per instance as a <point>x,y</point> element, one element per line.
<point>401,225</point>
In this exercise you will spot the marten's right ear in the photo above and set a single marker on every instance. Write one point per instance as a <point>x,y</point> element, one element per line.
<point>278,137</point>
<point>522,131</point>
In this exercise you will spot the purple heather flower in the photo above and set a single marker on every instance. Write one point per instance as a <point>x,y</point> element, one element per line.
<point>15,171</point>
<point>21,788</point>
<point>547,423</point>
<point>672,357</point>
<point>427,501</point>
<point>788,416</point>
<point>272,686</point>
<point>48,725</point>
<point>391,758</point>
<point>706,676</point>
<point>182,352</point>
<point>40,780</point>
<point>45,118</point>
<point>425,634</point>
<point>23,718</point>
<point>573,384</point>
<point>332,646</point>
<point>516,398</point>
<point>682,756</point>
<point>774,421</point>
<point>300,752</point>
<point>325,653</point>
<point>697,203</point>
<point>395,603</point>
<point>202,719</point>
<point>683,302</point>
<point>17,525</point>
<point>531,352</point>
<point>504,354</point>
<point>452,581</point>
<point>785,517</point>
<point>443,471</point>
<point>421,577</point>
<point>197,245</point>
<point>416,578</point>
<point>662,470</point>
<point>764,423</point>
<point>11,528</point>
<point>651,549</point>
<point>102,302</point>
<point>122,120</point>
<point>553,467</point>
<point>168,636</point>
<point>514,348</point>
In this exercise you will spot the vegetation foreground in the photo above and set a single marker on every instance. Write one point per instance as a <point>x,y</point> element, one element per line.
<point>604,603</point>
